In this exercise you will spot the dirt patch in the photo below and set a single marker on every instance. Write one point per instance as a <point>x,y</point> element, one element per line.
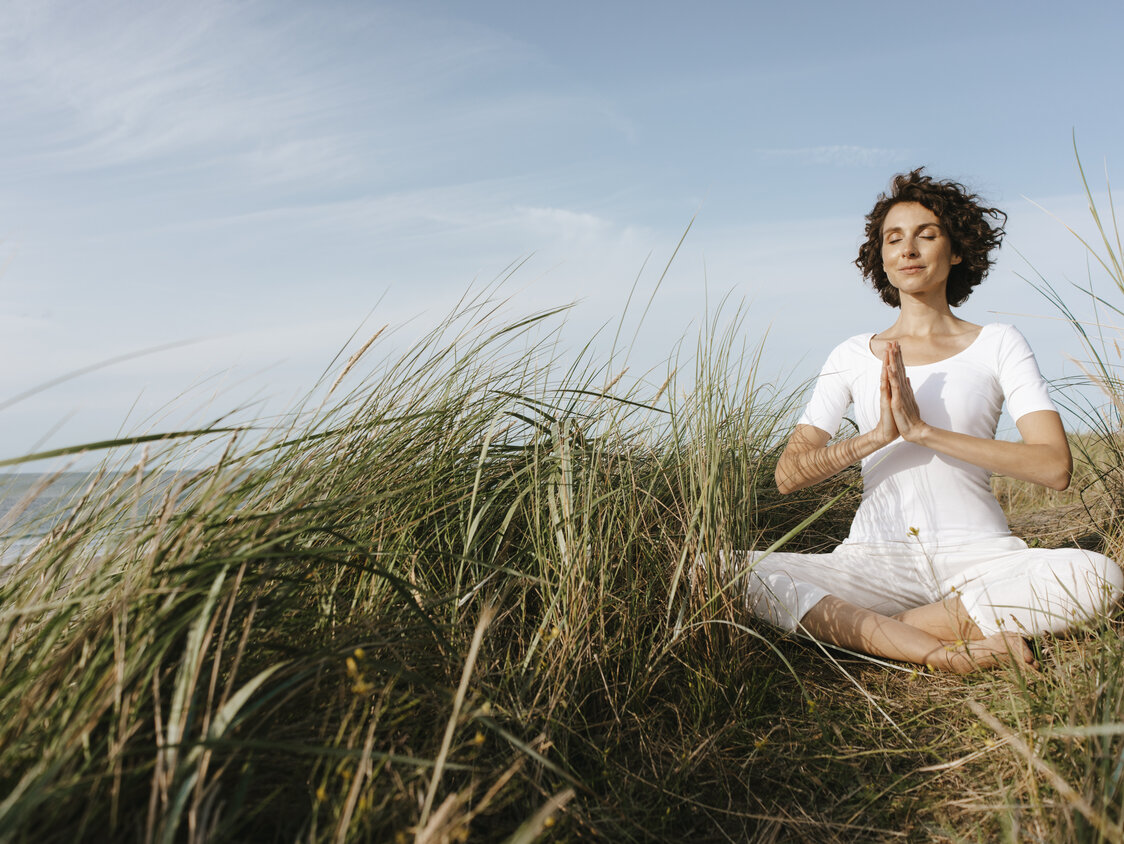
<point>1057,527</point>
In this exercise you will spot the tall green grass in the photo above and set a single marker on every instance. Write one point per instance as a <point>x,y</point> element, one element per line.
<point>445,597</point>
<point>1064,733</point>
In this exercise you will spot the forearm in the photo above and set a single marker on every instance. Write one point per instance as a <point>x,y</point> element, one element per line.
<point>1043,457</point>
<point>800,467</point>
<point>1048,464</point>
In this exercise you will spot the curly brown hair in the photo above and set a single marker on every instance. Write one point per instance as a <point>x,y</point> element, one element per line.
<point>964,219</point>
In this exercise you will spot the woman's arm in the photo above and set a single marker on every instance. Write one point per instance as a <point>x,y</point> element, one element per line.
<point>1043,457</point>
<point>808,459</point>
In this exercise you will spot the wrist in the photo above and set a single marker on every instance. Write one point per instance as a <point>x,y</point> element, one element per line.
<point>920,434</point>
<point>875,440</point>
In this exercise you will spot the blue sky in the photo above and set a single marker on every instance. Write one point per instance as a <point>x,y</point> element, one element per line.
<point>256,177</point>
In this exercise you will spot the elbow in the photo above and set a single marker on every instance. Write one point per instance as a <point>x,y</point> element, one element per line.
<point>1061,476</point>
<point>783,481</point>
<point>1061,481</point>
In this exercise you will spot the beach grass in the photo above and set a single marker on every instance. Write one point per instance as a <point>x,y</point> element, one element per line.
<point>448,599</point>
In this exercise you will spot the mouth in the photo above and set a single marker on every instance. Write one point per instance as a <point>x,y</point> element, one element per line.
<point>911,268</point>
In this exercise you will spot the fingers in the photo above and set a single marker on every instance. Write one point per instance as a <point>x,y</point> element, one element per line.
<point>903,403</point>
<point>897,365</point>
<point>887,428</point>
<point>899,382</point>
<point>890,374</point>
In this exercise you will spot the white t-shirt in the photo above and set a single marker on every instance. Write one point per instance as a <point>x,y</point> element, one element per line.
<point>907,486</point>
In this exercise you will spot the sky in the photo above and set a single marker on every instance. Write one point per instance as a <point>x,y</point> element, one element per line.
<point>219,195</point>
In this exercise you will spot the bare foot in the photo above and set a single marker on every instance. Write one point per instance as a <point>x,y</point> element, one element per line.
<point>990,652</point>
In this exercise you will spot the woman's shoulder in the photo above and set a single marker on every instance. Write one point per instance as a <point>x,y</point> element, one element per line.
<point>999,343</point>
<point>860,342</point>
<point>997,328</point>
<point>1002,333</point>
<point>854,347</point>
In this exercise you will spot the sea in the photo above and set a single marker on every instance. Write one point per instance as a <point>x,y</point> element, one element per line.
<point>32,503</point>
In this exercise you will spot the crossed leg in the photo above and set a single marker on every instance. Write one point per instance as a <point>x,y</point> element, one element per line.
<point>941,636</point>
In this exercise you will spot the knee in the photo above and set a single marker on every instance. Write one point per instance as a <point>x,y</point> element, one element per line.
<point>774,598</point>
<point>1102,576</point>
<point>1054,591</point>
<point>1111,574</point>
<point>1092,586</point>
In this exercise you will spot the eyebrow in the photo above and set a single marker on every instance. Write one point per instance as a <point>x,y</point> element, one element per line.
<point>917,228</point>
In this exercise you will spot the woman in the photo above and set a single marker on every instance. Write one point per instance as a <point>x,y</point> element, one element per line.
<point>930,573</point>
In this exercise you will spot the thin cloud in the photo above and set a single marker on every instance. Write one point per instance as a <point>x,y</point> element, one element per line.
<point>840,155</point>
<point>223,85</point>
<point>566,224</point>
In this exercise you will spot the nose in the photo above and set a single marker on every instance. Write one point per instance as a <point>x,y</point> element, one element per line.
<point>908,247</point>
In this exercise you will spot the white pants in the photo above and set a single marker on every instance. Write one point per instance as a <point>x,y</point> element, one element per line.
<point>1003,584</point>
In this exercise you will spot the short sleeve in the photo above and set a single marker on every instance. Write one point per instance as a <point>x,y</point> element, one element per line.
<point>1024,388</point>
<point>831,395</point>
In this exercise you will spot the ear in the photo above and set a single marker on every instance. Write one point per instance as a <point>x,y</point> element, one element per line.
<point>955,260</point>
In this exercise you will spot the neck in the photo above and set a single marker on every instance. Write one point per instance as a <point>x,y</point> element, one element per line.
<point>929,315</point>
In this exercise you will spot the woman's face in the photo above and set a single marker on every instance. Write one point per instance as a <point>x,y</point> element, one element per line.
<point>916,252</point>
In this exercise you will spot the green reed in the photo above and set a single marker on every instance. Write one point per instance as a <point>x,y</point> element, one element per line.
<point>432,601</point>
<point>1065,729</point>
